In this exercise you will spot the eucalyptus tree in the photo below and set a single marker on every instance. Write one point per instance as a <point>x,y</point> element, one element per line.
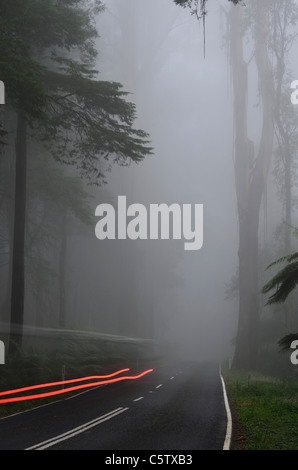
<point>251,167</point>
<point>284,16</point>
<point>256,19</point>
<point>269,24</point>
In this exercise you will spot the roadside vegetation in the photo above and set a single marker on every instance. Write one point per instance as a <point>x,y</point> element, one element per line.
<point>77,359</point>
<point>264,410</point>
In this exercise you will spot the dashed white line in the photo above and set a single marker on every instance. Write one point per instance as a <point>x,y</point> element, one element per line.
<point>158,386</point>
<point>138,399</point>
<point>80,429</point>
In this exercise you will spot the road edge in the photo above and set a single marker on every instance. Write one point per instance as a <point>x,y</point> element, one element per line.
<point>228,436</point>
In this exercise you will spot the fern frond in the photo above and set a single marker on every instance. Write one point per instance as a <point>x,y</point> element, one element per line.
<point>287,258</point>
<point>284,281</point>
<point>286,341</point>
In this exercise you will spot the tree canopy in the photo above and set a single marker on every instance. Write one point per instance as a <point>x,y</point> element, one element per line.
<point>27,29</point>
<point>47,64</point>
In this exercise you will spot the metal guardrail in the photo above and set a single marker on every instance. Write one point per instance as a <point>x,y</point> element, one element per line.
<point>28,330</point>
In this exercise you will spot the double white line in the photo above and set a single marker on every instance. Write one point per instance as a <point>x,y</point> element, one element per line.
<point>80,429</point>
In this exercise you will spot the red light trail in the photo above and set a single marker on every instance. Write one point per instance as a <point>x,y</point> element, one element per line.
<point>69,389</point>
<point>51,384</point>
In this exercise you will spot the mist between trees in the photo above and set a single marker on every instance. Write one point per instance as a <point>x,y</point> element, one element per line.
<point>163,101</point>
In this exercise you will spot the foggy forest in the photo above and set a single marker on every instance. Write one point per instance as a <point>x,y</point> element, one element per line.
<point>184,103</point>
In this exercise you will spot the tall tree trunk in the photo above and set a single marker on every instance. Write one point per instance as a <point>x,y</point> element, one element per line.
<point>62,272</point>
<point>18,256</point>
<point>280,44</point>
<point>9,209</point>
<point>282,124</point>
<point>7,168</point>
<point>250,176</point>
<point>288,223</point>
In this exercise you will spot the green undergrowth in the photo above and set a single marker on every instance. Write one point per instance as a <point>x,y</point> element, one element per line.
<point>264,410</point>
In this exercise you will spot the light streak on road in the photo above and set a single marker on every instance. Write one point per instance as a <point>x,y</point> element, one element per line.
<point>62,382</point>
<point>69,389</point>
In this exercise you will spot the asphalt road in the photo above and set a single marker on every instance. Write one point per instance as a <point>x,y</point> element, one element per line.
<point>177,407</point>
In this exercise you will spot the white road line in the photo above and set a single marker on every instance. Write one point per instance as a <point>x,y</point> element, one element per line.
<point>228,437</point>
<point>172,377</point>
<point>84,391</point>
<point>160,385</point>
<point>80,429</point>
<point>138,399</point>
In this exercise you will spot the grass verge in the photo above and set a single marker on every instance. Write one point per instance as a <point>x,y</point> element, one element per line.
<point>265,411</point>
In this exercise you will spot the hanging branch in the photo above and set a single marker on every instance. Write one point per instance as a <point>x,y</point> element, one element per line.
<point>199,9</point>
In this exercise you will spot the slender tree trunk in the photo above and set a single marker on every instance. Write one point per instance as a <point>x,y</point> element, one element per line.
<point>285,153</point>
<point>288,214</point>
<point>7,168</point>
<point>39,314</point>
<point>288,201</point>
<point>18,256</point>
<point>62,273</point>
<point>284,148</point>
<point>6,305</point>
